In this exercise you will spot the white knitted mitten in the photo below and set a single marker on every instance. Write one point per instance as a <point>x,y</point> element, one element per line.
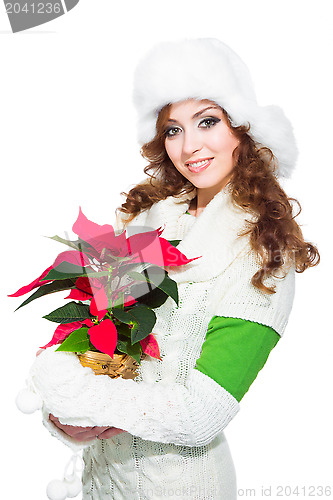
<point>191,414</point>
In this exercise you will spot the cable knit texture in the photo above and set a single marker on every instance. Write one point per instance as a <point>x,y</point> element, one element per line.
<point>173,414</point>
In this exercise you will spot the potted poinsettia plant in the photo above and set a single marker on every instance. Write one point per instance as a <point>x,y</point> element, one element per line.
<point>115,282</point>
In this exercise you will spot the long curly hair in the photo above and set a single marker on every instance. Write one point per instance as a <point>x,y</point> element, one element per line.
<point>275,236</point>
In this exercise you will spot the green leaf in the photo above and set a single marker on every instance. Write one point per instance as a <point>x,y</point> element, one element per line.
<point>78,244</point>
<point>77,341</point>
<point>138,276</point>
<point>69,313</point>
<point>97,274</point>
<point>56,286</point>
<point>124,330</point>
<point>132,350</point>
<point>154,298</point>
<point>144,321</point>
<point>141,317</point>
<point>122,316</point>
<point>65,270</point>
<point>174,242</point>
<point>153,275</point>
<point>168,285</point>
<point>72,244</point>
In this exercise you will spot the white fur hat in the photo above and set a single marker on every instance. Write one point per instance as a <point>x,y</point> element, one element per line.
<point>206,68</point>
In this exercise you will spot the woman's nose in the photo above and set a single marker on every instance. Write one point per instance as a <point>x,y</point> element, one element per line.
<point>192,142</point>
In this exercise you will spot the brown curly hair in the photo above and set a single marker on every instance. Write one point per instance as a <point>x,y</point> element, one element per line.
<point>275,236</point>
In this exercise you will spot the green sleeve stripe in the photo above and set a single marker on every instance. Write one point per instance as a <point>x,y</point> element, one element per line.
<point>234,352</point>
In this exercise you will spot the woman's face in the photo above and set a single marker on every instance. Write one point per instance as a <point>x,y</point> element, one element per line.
<point>200,144</point>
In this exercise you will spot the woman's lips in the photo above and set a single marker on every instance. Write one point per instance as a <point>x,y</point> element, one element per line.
<point>200,168</point>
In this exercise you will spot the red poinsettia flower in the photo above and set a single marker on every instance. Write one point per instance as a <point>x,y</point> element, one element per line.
<point>34,284</point>
<point>94,289</point>
<point>103,258</point>
<point>71,256</point>
<point>104,336</point>
<point>99,304</point>
<point>62,332</point>
<point>151,247</point>
<point>84,288</point>
<point>150,346</point>
<point>172,256</point>
<point>100,237</point>
<point>147,246</point>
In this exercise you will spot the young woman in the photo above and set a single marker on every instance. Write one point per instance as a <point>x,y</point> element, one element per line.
<point>215,158</point>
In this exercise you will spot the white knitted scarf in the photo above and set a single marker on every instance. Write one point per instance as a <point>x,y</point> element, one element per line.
<point>214,235</point>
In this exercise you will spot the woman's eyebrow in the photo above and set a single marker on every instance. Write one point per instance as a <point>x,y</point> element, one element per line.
<point>203,110</point>
<point>196,115</point>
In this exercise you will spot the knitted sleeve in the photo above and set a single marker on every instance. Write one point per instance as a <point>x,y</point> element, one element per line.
<point>237,297</point>
<point>234,351</point>
<point>192,414</point>
<point>232,355</point>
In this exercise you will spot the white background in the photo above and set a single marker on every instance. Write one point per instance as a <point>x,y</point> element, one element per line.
<point>68,138</point>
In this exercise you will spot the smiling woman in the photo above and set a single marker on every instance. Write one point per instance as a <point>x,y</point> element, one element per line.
<point>194,130</point>
<point>215,158</point>
<point>200,145</point>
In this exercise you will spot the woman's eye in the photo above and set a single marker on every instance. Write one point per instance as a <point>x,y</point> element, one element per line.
<point>208,122</point>
<point>170,132</point>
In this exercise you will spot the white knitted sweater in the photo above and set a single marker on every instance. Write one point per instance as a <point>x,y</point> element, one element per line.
<point>173,414</point>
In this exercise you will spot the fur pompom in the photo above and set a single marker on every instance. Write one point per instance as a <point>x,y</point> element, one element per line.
<point>56,490</point>
<point>70,486</point>
<point>28,401</point>
<point>73,486</point>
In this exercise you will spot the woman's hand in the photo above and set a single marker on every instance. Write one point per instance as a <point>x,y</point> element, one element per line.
<point>83,434</point>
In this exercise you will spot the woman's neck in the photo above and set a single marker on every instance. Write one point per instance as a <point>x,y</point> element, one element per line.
<point>193,208</point>
<point>203,197</point>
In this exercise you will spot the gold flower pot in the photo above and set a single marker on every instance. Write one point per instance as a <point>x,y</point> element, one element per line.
<point>122,365</point>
